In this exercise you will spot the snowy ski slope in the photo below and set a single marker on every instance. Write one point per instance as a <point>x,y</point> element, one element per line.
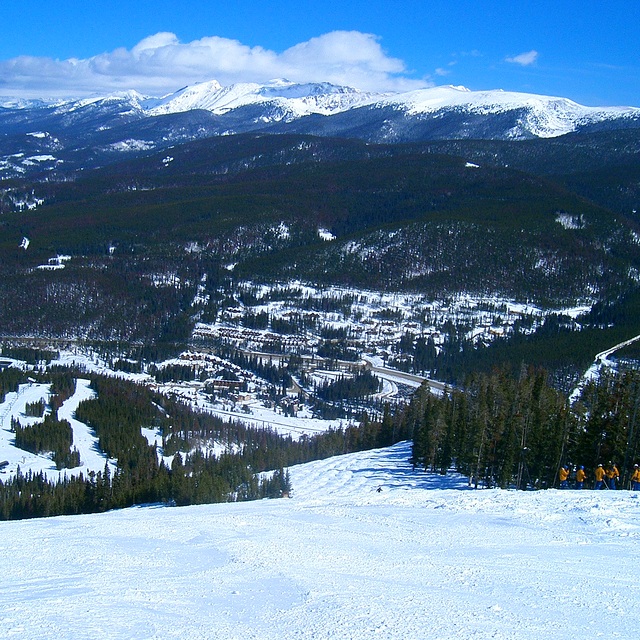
<point>425,557</point>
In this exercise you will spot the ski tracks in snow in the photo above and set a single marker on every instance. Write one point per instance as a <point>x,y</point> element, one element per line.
<point>338,560</point>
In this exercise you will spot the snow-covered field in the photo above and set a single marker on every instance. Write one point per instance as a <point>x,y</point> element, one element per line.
<point>14,406</point>
<point>425,557</point>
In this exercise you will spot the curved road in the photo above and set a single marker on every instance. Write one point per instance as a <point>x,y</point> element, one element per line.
<point>604,354</point>
<point>407,378</point>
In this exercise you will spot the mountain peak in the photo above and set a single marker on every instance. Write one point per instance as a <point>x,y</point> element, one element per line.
<point>126,121</point>
<point>290,99</point>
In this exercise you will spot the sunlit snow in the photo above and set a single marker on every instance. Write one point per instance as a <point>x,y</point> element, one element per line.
<point>326,235</point>
<point>84,440</point>
<point>545,117</point>
<point>424,557</point>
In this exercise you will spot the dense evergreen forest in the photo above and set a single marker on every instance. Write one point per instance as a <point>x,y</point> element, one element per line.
<point>500,431</point>
<point>517,432</point>
<point>196,474</point>
<point>402,218</point>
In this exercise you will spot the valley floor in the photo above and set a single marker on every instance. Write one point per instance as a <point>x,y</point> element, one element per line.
<point>425,557</point>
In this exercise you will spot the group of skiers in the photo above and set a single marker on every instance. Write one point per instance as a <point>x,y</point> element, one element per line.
<point>604,477</point>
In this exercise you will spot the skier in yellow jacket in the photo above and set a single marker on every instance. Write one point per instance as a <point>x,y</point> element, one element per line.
<point>563,475</point>
<point>635,478</point>
<point>599,476</point>
<point>612,474</point>
<point>581,476</point>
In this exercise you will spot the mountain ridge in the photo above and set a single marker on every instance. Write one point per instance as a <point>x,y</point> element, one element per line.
<point>285,101</point>
<point>453,205</point>
<point>45,139</point>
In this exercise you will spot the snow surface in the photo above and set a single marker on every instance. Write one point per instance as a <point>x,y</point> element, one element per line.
<point>546,116</point>
<point>292,99</point>
<point>84,440</point>
<point>326,235</point>
<point>424,558</point>
<point>543,116</point>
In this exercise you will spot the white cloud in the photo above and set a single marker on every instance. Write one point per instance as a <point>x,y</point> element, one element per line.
<point>524,59</point>
<point>162,39</point>
<point>160,64</point>
<point>445,71</point>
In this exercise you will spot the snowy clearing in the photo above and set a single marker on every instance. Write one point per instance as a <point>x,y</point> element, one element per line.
<point>14,406</point>
<point>425,557</point>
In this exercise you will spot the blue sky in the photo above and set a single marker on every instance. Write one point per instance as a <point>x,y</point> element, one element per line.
<point>588,51</point>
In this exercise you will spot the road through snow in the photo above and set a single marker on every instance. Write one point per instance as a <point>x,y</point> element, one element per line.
<point>425,557</point>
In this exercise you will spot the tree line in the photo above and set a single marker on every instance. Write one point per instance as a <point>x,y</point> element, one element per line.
<point>499,430</point>
<point>505,431</point>
<point>189,471</point>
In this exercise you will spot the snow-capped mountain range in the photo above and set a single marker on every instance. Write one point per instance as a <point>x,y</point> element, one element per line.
<point>545,116</point>
<point>131,122</point>
<point>288,100</point>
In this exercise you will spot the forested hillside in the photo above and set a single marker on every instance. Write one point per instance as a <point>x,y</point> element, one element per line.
<point>293,274</point>
<point>211,459</point>
<point>504,431</point>
<point>498,430</point>
<point>137,238</point>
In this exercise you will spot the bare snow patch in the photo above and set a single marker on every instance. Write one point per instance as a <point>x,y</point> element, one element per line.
<point>55,264</point>
<point>131,145</point>
<point>282,231</point>
<point>570,221</point>
<point>326,235</point>
<point>42,158</point>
